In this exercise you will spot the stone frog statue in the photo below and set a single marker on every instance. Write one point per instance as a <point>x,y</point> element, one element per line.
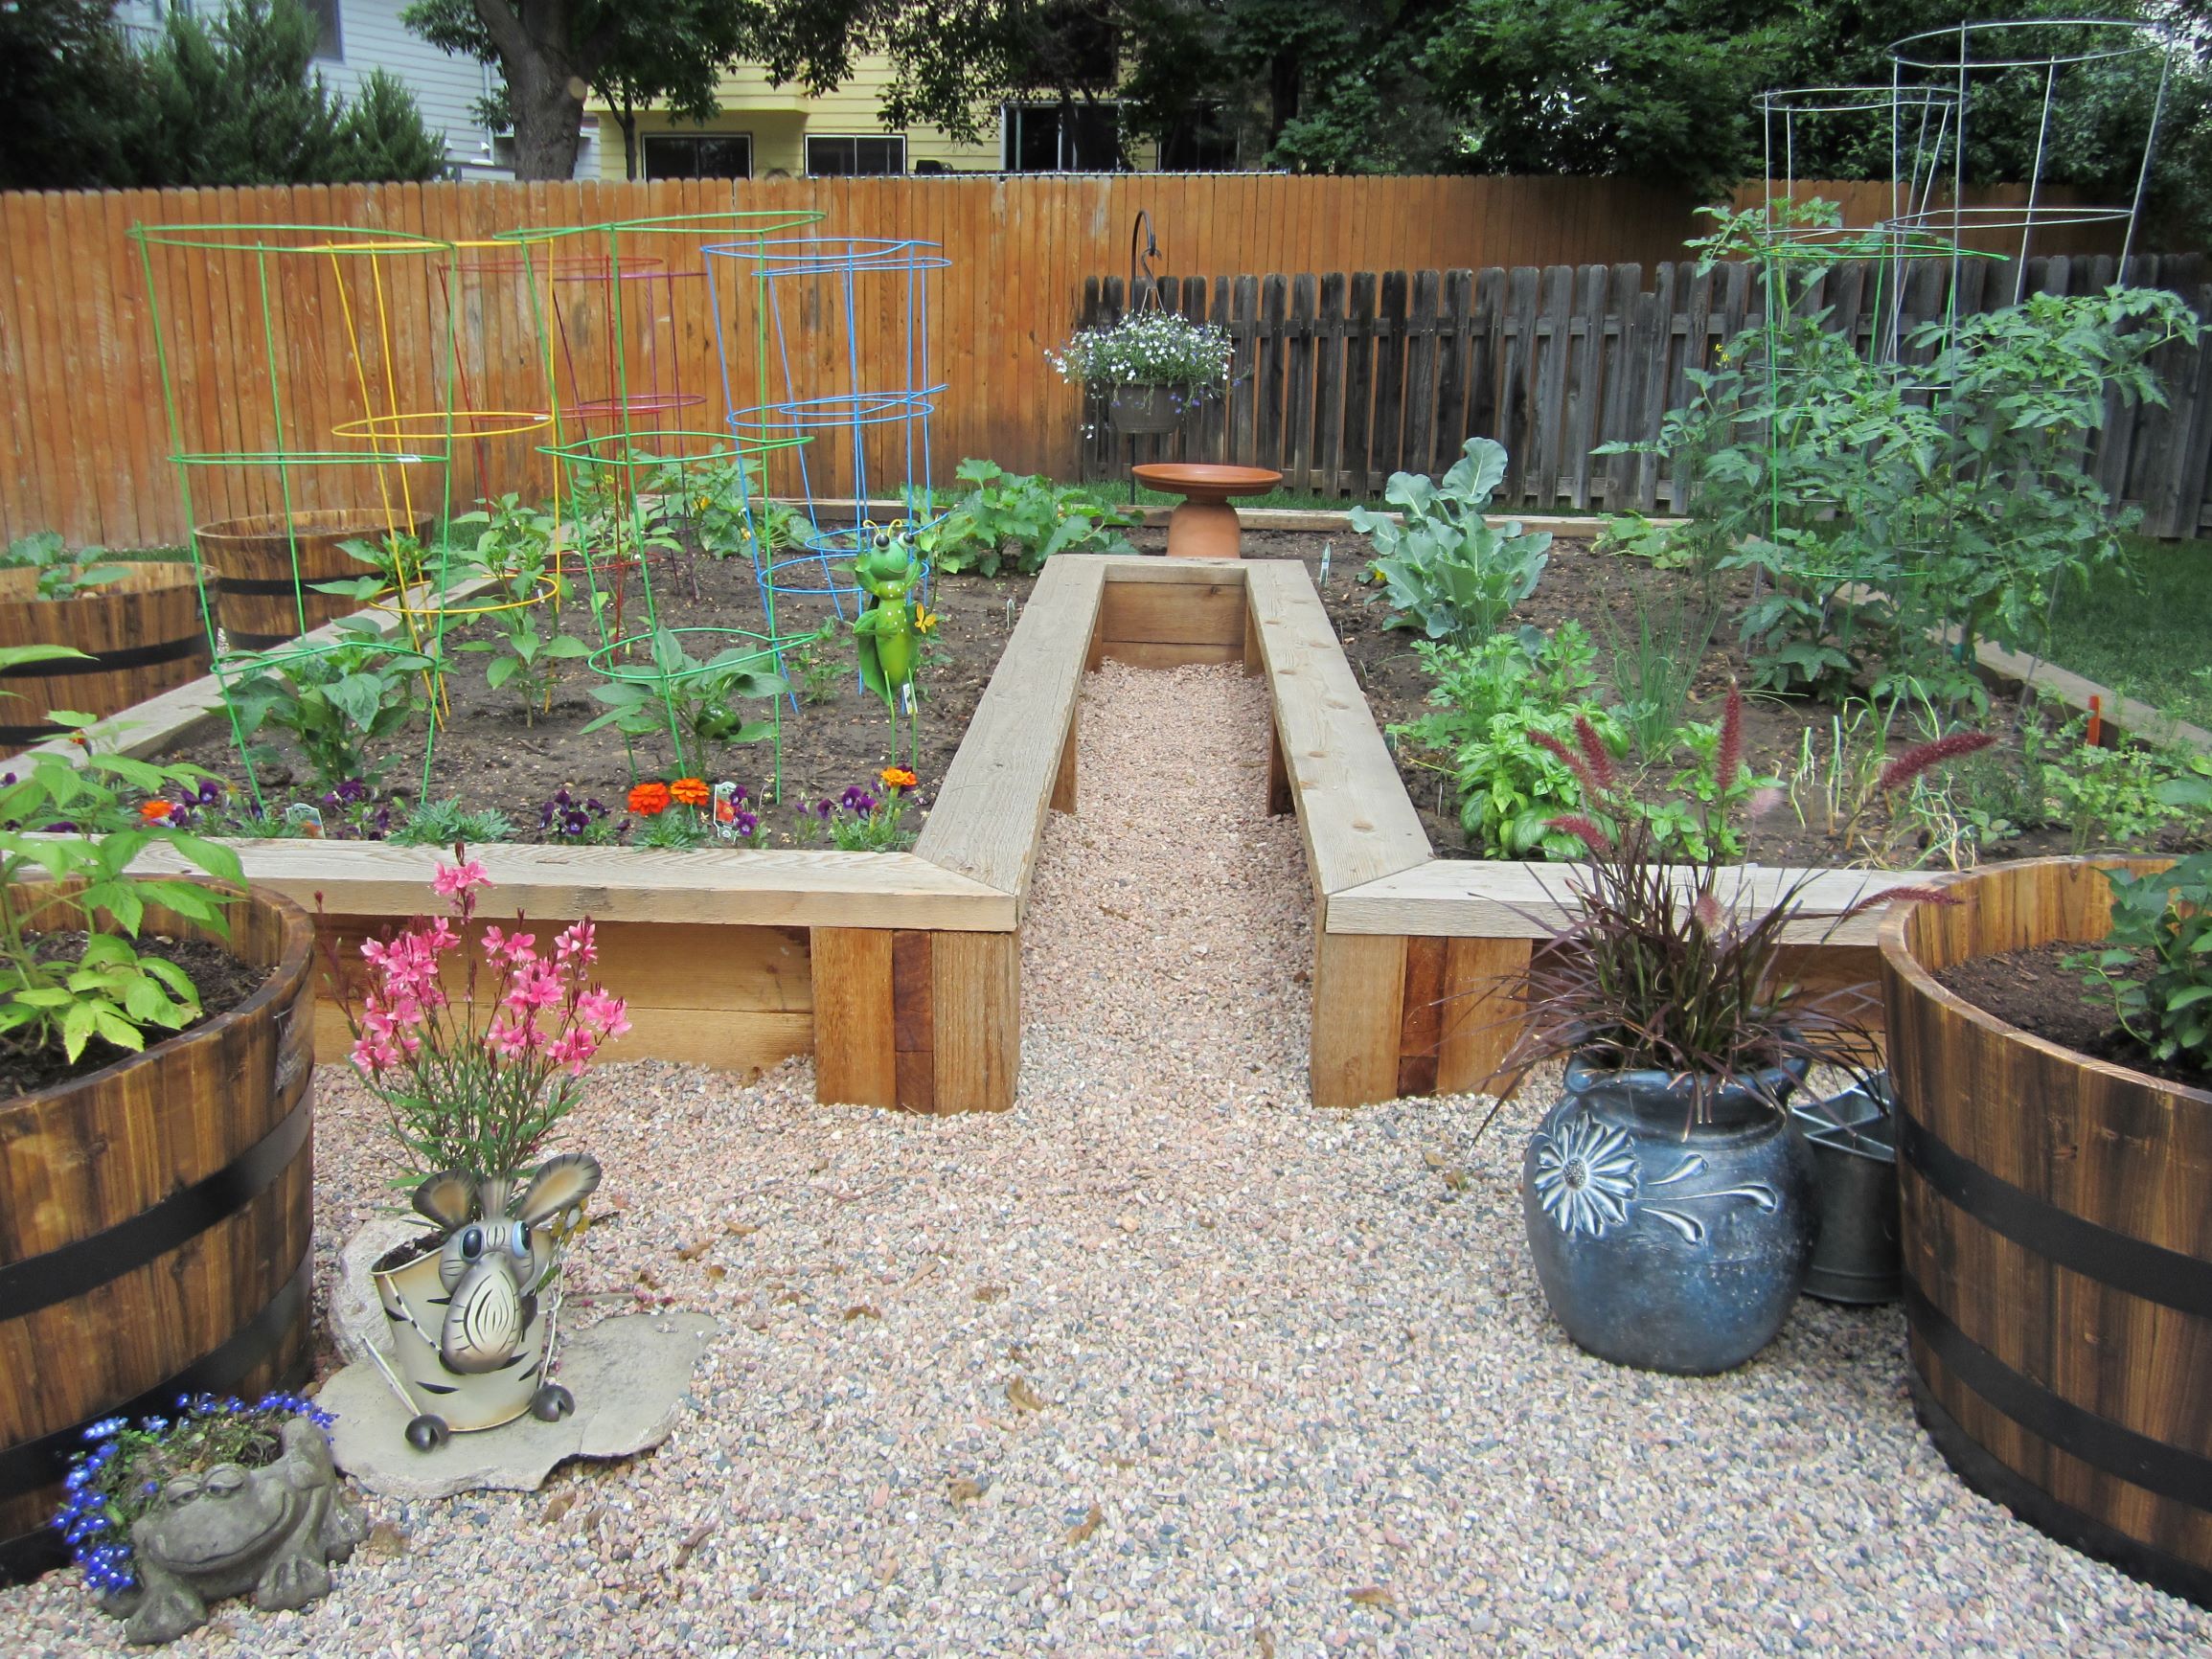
<point>274,1531</point>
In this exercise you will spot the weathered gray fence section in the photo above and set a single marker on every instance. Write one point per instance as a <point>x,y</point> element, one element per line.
<point>1340,380</point>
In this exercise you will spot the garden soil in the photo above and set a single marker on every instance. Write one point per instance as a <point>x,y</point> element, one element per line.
<point>2035,991</point>
<point>488,754</point>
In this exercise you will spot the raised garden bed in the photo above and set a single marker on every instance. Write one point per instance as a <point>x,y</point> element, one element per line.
<point>1602,592</point>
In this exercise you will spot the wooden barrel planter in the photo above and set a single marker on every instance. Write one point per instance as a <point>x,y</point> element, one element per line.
<point>2057,1242</point>
<point>250,569</point>
<point>156,1227</point>
<point>144,633</point>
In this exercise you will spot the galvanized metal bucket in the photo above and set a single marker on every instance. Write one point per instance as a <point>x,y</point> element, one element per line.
<point>1858,1257</point>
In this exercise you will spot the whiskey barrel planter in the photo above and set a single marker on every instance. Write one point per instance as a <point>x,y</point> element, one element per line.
<point>155,1226</point>
<point>250,569</point>
<point>2057,1242</point>
<point>143,634</point>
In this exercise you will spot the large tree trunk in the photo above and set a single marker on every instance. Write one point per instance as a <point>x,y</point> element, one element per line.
<point>548,107</point>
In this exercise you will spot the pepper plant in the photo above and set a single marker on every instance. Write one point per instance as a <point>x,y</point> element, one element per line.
<point>333,701</point>
<point>2156,961</point>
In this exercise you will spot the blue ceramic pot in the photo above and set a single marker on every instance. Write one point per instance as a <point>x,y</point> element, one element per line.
<point>1662,1242</point>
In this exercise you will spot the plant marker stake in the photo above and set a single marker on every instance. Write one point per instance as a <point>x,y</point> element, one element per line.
<point>2094,737</point>
<point>1325,550</point>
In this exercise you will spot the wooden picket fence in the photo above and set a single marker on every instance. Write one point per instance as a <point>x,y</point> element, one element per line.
<point>1340,380</point>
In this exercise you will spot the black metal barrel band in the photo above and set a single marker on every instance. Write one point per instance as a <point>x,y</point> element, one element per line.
<point>2170,1471</point>
<point>86,1264</point>
<point>2149,1271</point>
<point>193,644</point>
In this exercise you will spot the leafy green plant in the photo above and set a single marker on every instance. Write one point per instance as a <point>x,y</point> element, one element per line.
<point>2156,961</point>
<point>725,503</point>
<point>1445,572</point>
<point>1886,524</point>
<point>72,822</point>
<point>698,705</point>
<point>1491,702</point>
<point>335,701</point>
<point>1011,515</point>
<point>394,562</point>
<point>62,574</point>
<point>446,823</point>
<point>2120,796</point>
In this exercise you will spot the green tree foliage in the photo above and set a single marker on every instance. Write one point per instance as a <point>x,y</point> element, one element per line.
<point>235,102</point>
<point>636,54</point>
<point>67,83</point>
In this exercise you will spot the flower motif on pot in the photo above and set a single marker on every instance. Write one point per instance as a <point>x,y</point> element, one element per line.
<point>1586,1176</point>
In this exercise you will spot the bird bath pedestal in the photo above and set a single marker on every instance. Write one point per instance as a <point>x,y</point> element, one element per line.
<point>1205,525</point>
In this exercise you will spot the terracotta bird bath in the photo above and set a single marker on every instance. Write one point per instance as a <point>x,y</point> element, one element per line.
<point>1205,525</point>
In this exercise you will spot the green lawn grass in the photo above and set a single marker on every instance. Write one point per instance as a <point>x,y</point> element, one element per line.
<point>2147,634</point>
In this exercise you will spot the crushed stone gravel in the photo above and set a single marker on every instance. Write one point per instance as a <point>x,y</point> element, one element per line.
<point>1164,1361</point>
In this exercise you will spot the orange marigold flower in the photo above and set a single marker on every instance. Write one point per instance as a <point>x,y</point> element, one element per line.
<point>897,778</point>
<point>689,791</point>
<point>649,800</point>
<point>154,811</point>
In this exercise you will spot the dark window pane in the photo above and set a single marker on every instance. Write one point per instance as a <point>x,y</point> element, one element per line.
<point>839,157</point>
<point>330,39</point>
<point>670,157</point>
<point>1036,140</point>
<point>708,155</point>
<point>729,156</point>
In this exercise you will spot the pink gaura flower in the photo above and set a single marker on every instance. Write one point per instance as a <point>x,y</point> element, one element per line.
<point>598,1011</point>
<point>513,1037</point>
<point>517,947</point>
<point>452,880</point>
<point>577,943</point>
<point>574,1049</point>
<point>533,986</point>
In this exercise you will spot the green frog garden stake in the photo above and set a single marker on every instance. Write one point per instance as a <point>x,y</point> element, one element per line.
<point>891,626</point>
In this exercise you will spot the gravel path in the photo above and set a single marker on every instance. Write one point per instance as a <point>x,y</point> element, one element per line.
<point>1165,1361</point>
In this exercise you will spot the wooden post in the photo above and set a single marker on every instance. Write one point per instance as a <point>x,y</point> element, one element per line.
<point>855,1057</point>
<point>1476,1024</point>
<point>1063,782</point>
<point>975,1006</point>
<point>1359,1009</point>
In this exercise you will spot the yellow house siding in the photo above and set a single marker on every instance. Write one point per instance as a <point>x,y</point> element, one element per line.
<point>779,119</point>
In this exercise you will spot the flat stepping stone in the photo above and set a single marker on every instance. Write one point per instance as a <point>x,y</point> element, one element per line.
<point>630,1376</point>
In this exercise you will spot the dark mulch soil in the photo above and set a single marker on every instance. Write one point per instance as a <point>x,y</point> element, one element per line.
<point>223,980</point>
<point>486,756</point>
<point>2034,990</point>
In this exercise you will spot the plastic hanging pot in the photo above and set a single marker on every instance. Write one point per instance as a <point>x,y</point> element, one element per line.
<point>1144,410</point>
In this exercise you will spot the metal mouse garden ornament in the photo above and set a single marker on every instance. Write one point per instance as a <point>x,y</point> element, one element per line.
<point>475,1077</point>
<point>474,1322</point>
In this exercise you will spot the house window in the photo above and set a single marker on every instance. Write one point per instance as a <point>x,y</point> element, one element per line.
<point>840,157</point>
<point>1063,138</point>
<point>698,155</point>
<point>329,37</point>
<point>1204,140</point>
